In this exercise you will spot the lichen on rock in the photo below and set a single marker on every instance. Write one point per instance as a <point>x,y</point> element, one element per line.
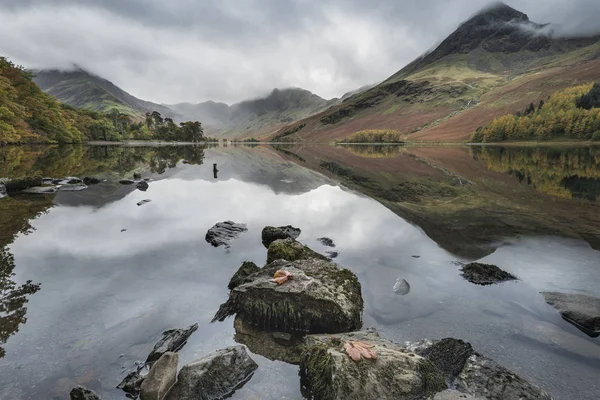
<point>290,250</point>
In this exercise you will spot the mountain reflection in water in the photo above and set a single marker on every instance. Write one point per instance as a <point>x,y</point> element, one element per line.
<point>113,275</point>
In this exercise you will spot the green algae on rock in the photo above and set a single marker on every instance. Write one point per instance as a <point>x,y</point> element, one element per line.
<point>290,250</point>
<point>320,298</point>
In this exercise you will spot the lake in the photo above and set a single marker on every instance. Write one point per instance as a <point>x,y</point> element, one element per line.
<point>113,275</point>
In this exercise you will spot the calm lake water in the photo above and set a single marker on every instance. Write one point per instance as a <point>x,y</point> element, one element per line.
<point>114,275</point>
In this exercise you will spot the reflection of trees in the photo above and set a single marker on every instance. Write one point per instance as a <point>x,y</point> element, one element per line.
<point>375,151</point>
<point>561,172</point>
<point>15,215</point>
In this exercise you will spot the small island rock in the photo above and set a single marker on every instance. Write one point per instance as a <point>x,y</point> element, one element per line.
<point>485,274</point>
<point>223,232</point>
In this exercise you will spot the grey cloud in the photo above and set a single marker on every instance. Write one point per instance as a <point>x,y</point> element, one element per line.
<point>187,50</point>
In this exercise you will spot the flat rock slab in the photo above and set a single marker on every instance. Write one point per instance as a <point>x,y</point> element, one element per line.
<point>223,232</point>
<point>580,310</point>
<point>485,274</point>
<point>320,297</point>
<point>329,373</point>
<point>81,393</point>
<point>272,233</point>
<point>161,377</point>
<point>214,376</point>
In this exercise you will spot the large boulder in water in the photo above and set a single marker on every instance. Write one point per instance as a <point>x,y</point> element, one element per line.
<point>320,297</point>
<point>223,232</point>
<point>161,378</point>
<point>328,372</point>
<point>290,250</point>
<point>272,233</point>
<point>476,375</point>
<point>81,393</point>
<point>20,184</point>
<point>214,376</point>
<point>485,274</point>
<point>578,309</point>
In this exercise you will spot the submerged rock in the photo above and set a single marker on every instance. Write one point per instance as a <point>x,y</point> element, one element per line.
<point>90,180</point>
<point>290,250</point>
<point>474,374</point>
<point>240,277</point>
<point>223,232</point>
<point>142,202</point>
<point>41,190</point>
<point>81,393</point>
<point>72,188</point>
<point>325,241</point>
<point>401,287</point>
<point>485,274</point>
<point>133,380</point>
<point>161,377</point>
<point>328,372</point>
<point>272,233</point>
<point>319,298</point>
<point>20,184</point>
<point>578,309</point>
<point>173,340</point>
<point>214,376</point>
<point>332,254</point>
<point>126,182</point>
<point>142,185</point>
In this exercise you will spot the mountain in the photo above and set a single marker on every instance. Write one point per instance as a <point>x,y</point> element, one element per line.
<point>255,117</point>
<point>496,62</point>
<point>82,89</point>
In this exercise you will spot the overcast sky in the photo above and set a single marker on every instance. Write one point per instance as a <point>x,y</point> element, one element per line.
<point>171,51</point>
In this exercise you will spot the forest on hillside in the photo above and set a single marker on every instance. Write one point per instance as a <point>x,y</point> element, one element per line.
<point>572,113</point>
<point>28,115</point>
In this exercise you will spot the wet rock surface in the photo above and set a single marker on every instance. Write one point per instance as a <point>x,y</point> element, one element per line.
<point>214,376</point>
<point>126,182</point>
<point>142,185</point>
<point>272,233</point>
<point>578,309</point>
<point>173,340</point>
<point>81,393</point>
<point>290,250</point>
<point>449,356</point>
<point>319,298</point>
<point>328,372</point>
<point>41,190</point>
<point>161,377</point>
<point>223,232</point>
<point>241,276</point>
<point>485,274</point>
<point>91,180</point>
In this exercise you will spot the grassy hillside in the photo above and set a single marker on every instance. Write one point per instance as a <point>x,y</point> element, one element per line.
<point>28,115</point>
<point>572,114</point>
<point>82,89</point>
<point>495,63</point>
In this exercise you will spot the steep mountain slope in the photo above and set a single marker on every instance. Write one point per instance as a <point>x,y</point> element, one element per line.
<point>496,62</point>
<point>258,116</point>
<point>82,89</point>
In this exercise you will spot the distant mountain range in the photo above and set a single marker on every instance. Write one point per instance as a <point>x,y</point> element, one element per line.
<point>496,62</point>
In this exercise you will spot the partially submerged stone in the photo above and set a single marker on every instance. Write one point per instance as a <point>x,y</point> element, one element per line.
<point>276,346</point>
<point>20,184</point>
<point>401,287</point>
<point>578,309</point>
<point>485,274</point>
<point>329,373</point>
<point>319,298</point>
<point>142,185</point>
<point>290,250</point>
<point>272,233</point>
<point>172,340</point>
<point>81,393</point>
<point>70,180</point>
<point>223,232</point>
<point>72,187</point>
<point>325,241</point>
<point>91,180</point>
<point>241,276</point>
<point>214,376</point>
<point>161,377</point>
<point>41,190</point>
<point>126,182</point>
<point>142,202</point>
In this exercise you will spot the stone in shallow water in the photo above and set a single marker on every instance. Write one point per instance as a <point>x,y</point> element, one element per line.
<point>272,233</point>
<point>214,376</point>
<point>325,241</point>
<point>161,377</point>
<point>172,340</point>
<point>142,185</point>
<point>81,393</point>
<point>20,184</point>
<point>578,309</point>
<point>69,180</point>
<point>319,298</point>
<point>41,190</point>
<point>485,274</point>
<point>291,250</point>
<point>223,232</point>
<point>90,180</point>
<point>72,188</point>
<point>142,202</point>
<point>401,287</point>
<point>126,182</point>
<point>329,373</point>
